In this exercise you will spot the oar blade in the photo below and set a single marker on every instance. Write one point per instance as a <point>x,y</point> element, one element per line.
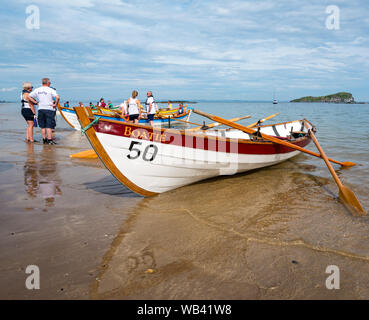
<point>348,197</point>
<point>348,164</point>
<point>88,154</point>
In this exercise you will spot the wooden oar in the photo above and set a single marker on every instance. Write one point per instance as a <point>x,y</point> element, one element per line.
<point>174,119</point>
<point>267,137</point>
<point>346,195</point>
<point>215,124</point>
<point>262,120</point>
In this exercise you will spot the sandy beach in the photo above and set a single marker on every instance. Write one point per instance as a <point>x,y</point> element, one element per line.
<point>265,234</point>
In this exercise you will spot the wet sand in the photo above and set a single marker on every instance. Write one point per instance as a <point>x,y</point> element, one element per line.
<point>266,234</point>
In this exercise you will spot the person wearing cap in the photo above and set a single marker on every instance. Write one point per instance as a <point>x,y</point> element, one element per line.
<point>28,111</point>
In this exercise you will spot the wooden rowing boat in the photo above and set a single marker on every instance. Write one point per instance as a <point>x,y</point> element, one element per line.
<point>162,112</point>
<point>69,115</point>
<point>154,160</point>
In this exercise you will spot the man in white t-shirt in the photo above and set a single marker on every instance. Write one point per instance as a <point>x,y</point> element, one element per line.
<point>47,100</point>
<point>151,108</point>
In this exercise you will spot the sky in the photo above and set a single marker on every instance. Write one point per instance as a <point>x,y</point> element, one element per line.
<point>196,50</point>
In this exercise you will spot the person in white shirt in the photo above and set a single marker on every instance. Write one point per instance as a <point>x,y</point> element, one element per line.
<point>134,110</point>
<point>151,108</point>
<point>124,109</point>
<point>47,100</point>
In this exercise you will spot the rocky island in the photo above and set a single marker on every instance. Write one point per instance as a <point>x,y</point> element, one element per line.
<point>340,97</point>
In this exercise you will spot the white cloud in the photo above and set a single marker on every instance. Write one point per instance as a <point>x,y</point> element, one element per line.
<point>185,42</point>
<point>61,3</point>
<point>9,89</point>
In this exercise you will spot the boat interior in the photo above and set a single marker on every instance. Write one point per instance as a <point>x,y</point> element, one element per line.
<point>288,130</point>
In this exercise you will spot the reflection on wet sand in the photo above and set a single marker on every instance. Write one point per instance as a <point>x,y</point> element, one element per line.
<point>41,175</point>
<point>252,246</point>
<point>30,172</point>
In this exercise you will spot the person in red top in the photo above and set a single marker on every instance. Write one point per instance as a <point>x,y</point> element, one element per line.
<point>102,103</point>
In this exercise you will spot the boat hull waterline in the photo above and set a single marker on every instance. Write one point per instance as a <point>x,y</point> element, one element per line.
<point>154,160</point>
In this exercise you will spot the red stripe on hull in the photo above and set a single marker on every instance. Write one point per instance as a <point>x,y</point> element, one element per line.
<point>194,141</point>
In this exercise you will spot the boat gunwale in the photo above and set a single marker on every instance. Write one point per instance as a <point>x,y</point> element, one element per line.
<point>187,113</point>
<point>191,133</point>
<point>64,117</point>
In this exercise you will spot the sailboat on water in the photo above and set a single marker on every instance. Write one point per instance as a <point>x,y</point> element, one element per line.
<point>274,99</point>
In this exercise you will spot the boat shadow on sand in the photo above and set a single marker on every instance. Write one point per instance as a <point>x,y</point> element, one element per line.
<point>111,186</point>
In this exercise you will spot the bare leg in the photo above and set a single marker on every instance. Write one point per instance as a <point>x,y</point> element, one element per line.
<point>49,133</point>
<point>29,134</point>
<point>43,133</point>
<point>151,123</point>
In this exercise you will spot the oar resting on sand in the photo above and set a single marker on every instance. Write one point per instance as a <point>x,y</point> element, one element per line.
<point>346,195</point>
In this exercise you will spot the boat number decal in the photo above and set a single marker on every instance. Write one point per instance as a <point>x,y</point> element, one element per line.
<point>149,150</point>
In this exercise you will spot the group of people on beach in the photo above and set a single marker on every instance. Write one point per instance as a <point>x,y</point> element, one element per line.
<point>46,99</point>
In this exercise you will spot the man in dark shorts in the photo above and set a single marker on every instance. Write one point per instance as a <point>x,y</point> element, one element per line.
<point>47,99</point>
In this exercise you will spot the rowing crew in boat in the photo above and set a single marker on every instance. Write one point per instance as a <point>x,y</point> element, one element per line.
<point>133,109</point>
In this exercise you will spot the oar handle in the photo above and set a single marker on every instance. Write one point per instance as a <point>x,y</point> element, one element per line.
<point>202,113</point>
<point>262,120</point>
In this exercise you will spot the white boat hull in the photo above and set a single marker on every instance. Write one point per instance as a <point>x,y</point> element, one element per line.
<point>175,166</point>
<point>155,160</point>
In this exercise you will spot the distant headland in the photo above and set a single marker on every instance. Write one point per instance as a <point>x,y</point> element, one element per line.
<point>340,97</point>
<point>177,101</point>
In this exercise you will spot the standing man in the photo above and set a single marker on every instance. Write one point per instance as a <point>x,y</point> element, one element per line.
<point>46,109</point>
<point>151,108</point>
